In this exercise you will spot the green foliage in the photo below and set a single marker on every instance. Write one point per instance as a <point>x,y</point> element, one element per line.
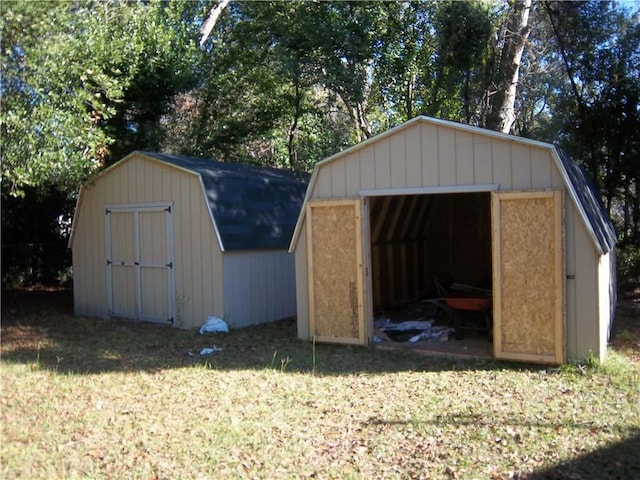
<point>628,264</point>
<point>290,83</point>
<point>597,107</point>
<point>83,83</point>
<point>431,59</point>
<point>403,61</point>
<point>45,123</point>
<point>77,76</point>
<point>274,85</point>
<point>34,239</point>
<point>457,84</point>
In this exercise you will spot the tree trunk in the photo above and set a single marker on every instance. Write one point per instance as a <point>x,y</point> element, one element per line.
<point>358,119</point>
<point>214,14</point>
<point>635,214</point>
<point>502,115</point>
<point>293,130</point>
<point>409,99</point>
<point>357,113</point>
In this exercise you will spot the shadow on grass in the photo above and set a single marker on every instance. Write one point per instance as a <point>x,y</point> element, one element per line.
<point>40,330</point>
<point>617,461</point>
<point>620,460</point>
<point>466,419</point>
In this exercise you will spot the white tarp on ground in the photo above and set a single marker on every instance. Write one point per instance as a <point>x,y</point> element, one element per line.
<point>426,330</point>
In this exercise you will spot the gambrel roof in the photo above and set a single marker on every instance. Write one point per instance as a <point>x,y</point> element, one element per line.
<point>251,207</point>
<point>586,193</point>
<point>580,187</point>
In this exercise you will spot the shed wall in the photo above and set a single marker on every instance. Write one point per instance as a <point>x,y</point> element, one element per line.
<point>424,155</point>
<point>582,270</point>
<point>302,285</point>
<point>607,299</point>
<point>259,286</point>
<point>431,155</point>
<point>198,259</point>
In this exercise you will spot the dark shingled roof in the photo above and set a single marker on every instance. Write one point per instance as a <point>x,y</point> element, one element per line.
<point>254,208</point>
<point>589,199</point>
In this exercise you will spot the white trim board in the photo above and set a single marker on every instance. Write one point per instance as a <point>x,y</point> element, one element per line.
<point>384,192</point>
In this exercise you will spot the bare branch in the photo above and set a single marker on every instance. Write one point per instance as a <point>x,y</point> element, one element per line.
<point>211,21</point>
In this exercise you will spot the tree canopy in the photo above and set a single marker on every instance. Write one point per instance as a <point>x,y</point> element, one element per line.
<point>288,83</point>
<point>83,82</point>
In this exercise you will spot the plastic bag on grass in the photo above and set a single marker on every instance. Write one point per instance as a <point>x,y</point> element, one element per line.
<point>209,351</point>
<point>214,325</point>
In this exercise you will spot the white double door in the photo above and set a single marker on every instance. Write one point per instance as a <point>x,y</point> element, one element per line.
<point>140,264</point>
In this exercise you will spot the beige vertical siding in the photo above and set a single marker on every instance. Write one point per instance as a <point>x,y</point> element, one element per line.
<point>501,164</point>
<point>367,169</point>
<point>302,285</point>
<point>583,297</point>
<point>89,255</point>
<point>425,155</point>
<point>398,165</point>
<point>585,322</point>
<point>259,286</point>
<point>541,169</point>
<point>413,145</point>
<point>520,167</point>
<point>89,289</point>
<point>381,164</point>
<point>339,181</point>
<point>198,259</point>
<point>434,155</point>
<point>571,285</point>
<point>464,162</point>
<point>482,159</point>
<point>447,166</point>
<point>430,159</point>
<point>352,173</point>
<point>323,184</point>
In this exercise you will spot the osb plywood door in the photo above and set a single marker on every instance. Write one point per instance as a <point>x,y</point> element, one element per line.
<point>335,268</point>
<point>529,276</point>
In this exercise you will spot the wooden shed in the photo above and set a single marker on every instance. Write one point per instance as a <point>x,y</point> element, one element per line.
<point>432,199</point>
<point>175,240</point>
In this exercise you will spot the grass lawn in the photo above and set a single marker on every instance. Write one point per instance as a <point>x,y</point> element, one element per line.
<point>89,398</point>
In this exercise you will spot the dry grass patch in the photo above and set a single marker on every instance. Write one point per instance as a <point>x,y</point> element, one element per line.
<point>86,398</point>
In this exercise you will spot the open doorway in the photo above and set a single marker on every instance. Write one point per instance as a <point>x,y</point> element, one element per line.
<point>422,246</point>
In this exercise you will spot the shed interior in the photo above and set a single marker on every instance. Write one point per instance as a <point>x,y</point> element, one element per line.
<point>418,240</point>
